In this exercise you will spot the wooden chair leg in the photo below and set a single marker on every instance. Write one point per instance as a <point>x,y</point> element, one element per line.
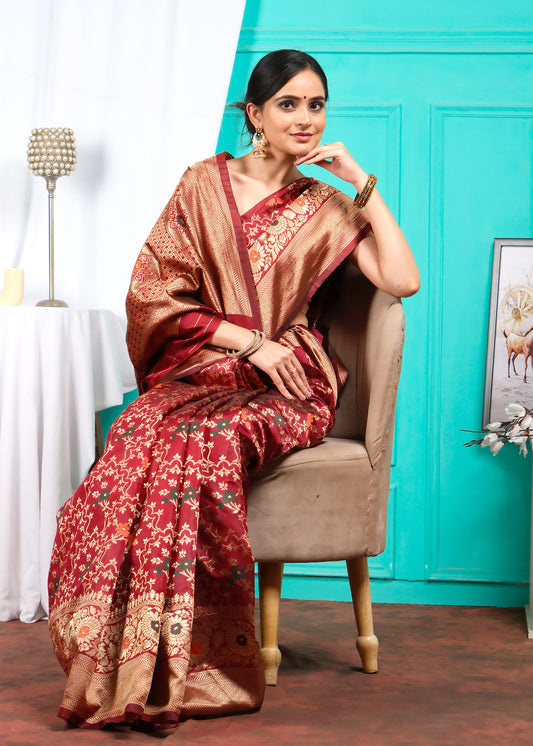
<point>367,643</point>
<point>270,575</point>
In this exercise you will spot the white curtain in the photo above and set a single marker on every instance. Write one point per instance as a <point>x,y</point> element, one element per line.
<point>143,85</point>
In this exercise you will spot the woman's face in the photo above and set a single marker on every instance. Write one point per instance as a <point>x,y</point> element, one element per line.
<point>294,119</point>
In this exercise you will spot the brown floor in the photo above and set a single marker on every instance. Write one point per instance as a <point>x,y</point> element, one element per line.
<point>449,675</point>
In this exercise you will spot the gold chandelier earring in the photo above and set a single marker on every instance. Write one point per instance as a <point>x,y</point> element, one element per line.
<point>259,143</point>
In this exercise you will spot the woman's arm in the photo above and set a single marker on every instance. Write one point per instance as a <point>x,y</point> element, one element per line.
<point>277,361</point>
<point>384,256</point>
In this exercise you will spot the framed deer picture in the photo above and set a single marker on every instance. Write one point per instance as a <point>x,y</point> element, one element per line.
<point>509,369</point>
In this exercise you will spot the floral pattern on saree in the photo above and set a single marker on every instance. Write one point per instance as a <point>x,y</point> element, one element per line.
<point>270,226</point>
<point>151,577</point>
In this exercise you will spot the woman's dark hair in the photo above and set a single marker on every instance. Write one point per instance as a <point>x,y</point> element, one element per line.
<point>271,73</point>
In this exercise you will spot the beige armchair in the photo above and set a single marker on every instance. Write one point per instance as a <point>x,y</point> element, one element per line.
<point>330,502</point>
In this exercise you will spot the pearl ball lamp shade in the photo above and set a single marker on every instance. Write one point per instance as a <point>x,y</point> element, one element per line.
<point>51,154</point>
<point>52,151</point>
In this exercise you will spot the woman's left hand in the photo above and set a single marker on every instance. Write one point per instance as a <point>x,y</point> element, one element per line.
<point>384,256</point>
<point>336,159</point>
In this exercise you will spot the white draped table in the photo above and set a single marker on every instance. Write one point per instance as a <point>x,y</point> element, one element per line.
<point>58,366</point>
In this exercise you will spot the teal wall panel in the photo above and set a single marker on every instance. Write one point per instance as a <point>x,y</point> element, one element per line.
<point>475,534</point>
<point>351,17</point>
<point>437,100</point>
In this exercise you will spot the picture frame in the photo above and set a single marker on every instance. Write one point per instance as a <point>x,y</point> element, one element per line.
<point>509,365</point>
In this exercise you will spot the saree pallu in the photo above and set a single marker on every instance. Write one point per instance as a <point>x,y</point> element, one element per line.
<point>203,262</point>
<point>151,579</point>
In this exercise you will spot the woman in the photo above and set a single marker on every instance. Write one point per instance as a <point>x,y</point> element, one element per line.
<point>151,580</point>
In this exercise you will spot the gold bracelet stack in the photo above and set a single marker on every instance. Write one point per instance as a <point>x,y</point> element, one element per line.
<point>253,346</point>
<point>361,198</point>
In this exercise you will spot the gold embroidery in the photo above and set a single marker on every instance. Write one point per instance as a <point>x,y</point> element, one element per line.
<point>270,234</point>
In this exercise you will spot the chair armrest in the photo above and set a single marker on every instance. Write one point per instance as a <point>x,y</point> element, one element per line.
<point>385,337</point>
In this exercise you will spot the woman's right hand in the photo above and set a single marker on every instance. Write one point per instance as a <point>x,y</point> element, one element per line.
<point>284,369</point>
<point>277,361</point>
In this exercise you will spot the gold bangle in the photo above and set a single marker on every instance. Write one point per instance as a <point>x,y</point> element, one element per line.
<point>361,198</point>
<point>257,344</point>
<point>253,346</point>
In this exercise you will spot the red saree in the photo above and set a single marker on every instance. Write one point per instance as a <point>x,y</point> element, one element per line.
<point>151,578</point>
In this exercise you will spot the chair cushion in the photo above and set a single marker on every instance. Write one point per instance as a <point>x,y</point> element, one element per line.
<point>312,505</point>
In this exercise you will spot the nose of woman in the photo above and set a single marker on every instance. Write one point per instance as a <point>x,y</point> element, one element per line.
<point>303,118</point>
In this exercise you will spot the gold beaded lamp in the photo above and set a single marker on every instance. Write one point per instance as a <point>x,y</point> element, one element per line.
<point>51,154</point>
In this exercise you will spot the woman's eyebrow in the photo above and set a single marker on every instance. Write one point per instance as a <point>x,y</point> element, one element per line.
<point>297,98</point>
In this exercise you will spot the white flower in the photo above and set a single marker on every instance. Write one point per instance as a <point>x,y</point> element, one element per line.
<point>514,410</point>
<point>489,440</point>
<point>517,429</point>
<point>495,447</point>
<point>526,422</point>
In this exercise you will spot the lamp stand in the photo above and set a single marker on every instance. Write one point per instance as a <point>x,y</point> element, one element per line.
<point>51,301</point>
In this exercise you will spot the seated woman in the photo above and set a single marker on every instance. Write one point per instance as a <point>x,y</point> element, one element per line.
<point>151,580</point>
